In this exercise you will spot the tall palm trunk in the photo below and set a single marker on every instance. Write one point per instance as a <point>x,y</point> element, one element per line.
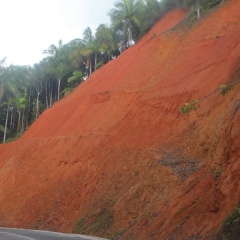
<point>5,127</point>
<point>19,121</point>
<point>129,33</point>
<point>90,70</point>
<point>89,64</point>
<point>46,92</point>
<point>29,106</point>
<point>50,96</point>
<point>59,85</point>
<point>11,122</point>
<point>95,67</point>
<point>22,125</point>
<point>37,106</point>
<point>198,9</point>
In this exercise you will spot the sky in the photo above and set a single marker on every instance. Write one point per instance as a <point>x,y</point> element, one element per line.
<point>30,26</point>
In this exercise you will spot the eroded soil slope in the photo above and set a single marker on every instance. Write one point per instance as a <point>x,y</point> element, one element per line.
<point>115,157</point>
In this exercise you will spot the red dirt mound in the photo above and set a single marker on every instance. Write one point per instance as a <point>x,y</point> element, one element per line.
<point>115,157</point>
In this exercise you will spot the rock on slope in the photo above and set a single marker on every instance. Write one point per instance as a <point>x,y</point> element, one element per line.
<point>115,157</point>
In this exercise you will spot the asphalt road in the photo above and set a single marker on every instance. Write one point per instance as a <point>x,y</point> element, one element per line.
<point>24,234</point>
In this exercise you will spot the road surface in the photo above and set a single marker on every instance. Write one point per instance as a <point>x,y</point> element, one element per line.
<point>24,234</point>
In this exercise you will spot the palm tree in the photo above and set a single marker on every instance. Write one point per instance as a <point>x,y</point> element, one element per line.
<point>6,121</point>
<point>75,48</point>
<point>37,82</point>
<point>8,91</point>
<point>106,40</point>
<point>77,76</point>
<point>20,104</point>
<point>91,48</point>
<point>59,62</point>
<point>73,81</point>
<point>125,17</point>
<point>23,79</point>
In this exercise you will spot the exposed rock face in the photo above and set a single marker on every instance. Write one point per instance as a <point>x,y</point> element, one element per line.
<point>116,157</point>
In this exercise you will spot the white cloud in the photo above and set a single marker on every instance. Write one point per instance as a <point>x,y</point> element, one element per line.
<point>30,26</point>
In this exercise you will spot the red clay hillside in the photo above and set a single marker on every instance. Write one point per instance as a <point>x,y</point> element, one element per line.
<point>116,158</point>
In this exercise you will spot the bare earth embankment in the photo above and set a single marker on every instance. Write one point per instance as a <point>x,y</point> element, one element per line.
<point>115,157</point>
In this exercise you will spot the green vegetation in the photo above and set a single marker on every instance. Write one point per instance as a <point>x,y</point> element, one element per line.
<point>98,223</point>
<point>224,89</point>
<point>117,234</point>
<point>208,4</point>
<point>187,107</point>
<point>103,220</point>
<point>81,226</point>
<point>231,226</point>
<point>26,91</point>
<point>217,174</point>
<point>95,222</point>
